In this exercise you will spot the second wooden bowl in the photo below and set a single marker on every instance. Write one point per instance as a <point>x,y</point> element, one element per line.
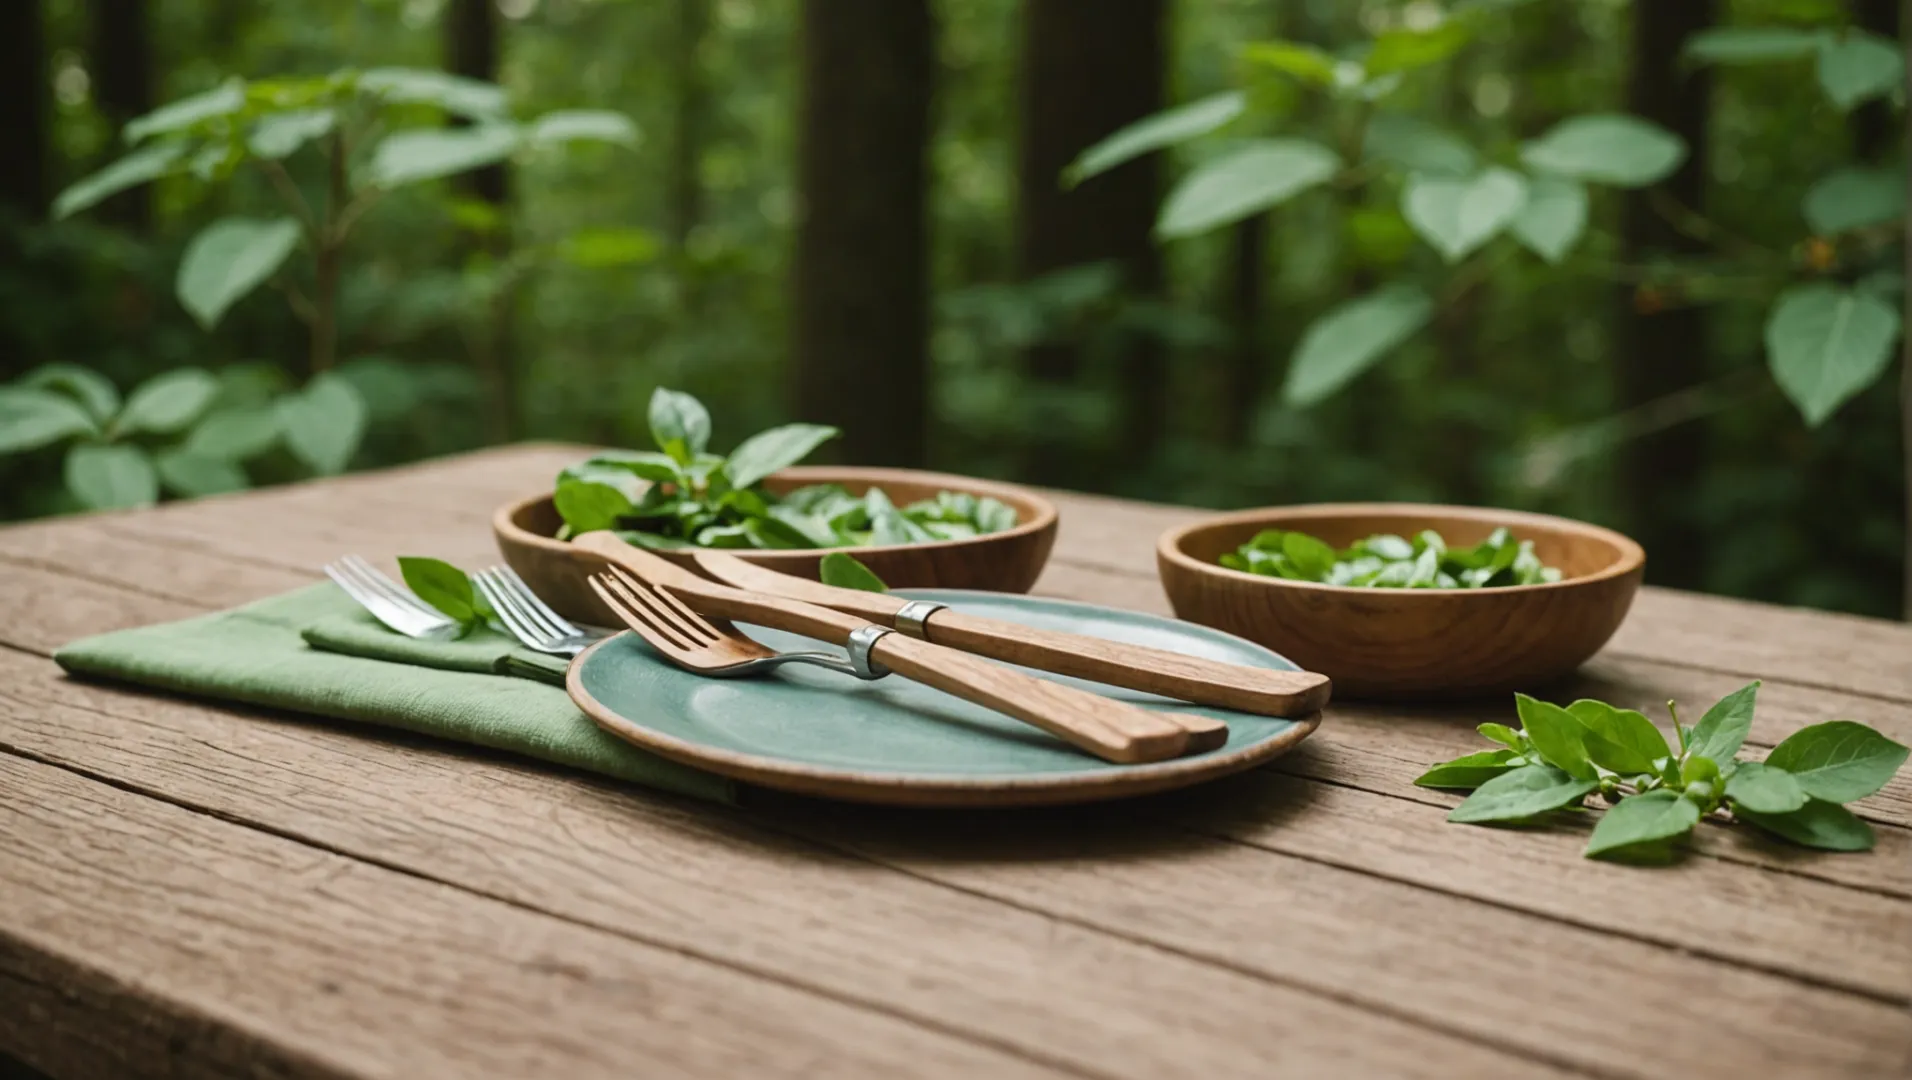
<point>1411,643</point>
<point>1006,561</point>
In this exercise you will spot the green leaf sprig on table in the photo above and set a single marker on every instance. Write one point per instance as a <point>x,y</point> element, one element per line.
<point>682,495</point>
<point>1387,561</point>
<point>845,572</point>
<point>1658,792</point>
<point>446,588</point>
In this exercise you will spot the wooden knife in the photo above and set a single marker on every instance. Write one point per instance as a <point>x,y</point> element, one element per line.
<point>1133,667</point>
<point>1114,730</point>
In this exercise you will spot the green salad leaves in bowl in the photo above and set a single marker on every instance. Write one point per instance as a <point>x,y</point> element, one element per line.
<point>913,529</point>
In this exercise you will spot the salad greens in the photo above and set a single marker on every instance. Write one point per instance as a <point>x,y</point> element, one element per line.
<point>1657,793</point>
<point>682,495</point>
<point>845,572</point>
<point>446,588</point>
<point>1387,561</point>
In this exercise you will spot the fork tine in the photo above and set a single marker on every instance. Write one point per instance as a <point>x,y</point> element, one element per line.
<point>508,615</point>
<point>641,623</point>
<point>376,579</point>
<point>521,600</point>
<point>563,626</point>
<point>693,628</point>
<point>671,601</point>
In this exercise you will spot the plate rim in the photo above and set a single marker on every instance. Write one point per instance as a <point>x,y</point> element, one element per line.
<point>853,785</point>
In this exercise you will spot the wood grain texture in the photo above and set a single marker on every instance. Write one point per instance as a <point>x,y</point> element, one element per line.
<point>149,940</point>
<point>1006,561</point>
<point>721,885</point>
<point>1411,643</point>
<point>1318,920</point>
<point>1134,667</point>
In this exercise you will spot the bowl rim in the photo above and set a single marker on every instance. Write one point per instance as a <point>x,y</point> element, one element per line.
<point>1632,556</point>
<point>1044,518</point>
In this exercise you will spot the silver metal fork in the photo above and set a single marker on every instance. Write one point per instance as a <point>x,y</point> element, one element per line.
<point>528,618</point>
<point>388,601</point>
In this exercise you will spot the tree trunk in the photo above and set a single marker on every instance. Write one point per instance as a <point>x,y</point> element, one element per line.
<point>1247,358</point>
<point>122,70</point>
<point>691,86</point>
<point>861,292</point>
<point>1664,351</point>
<point>1086,70</point>
<point>24,148</point>
<point>471,50</point>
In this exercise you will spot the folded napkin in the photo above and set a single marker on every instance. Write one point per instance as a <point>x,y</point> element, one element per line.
<point>315,651</point>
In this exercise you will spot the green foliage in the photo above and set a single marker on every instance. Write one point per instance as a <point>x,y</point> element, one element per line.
<point>1158,132</point>
<point>1603,149</point>
<point>845,572</point>
<point>1457,216</point>
<point>1252,177</point>
<point>446,588</point>
<point>1386,561</point>
<point>1352,338</point>
<point>1827,343</point>
<point>682,495</point>
<point>1562,755</point>
<point>229,259</point>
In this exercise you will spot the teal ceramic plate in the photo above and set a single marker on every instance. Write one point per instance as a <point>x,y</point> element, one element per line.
<point>893,741</point>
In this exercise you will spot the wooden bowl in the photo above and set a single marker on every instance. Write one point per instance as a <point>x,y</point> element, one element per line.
<point>1411,643</point>
<point>1006,561</point>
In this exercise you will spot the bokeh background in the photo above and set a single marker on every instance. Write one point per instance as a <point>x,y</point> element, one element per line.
<point>849,211</point>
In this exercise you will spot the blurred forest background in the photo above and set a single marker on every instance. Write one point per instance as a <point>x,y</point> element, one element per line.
<point>851,212</point>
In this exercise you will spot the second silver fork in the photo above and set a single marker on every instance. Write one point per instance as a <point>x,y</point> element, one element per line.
<point>528,618</point>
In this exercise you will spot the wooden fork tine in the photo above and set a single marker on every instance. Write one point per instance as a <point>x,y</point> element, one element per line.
<point>671,601</point>
<point>679,617</point>
<point>644,624</point>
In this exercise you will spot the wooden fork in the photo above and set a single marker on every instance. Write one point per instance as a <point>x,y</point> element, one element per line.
<point>1111,730</point>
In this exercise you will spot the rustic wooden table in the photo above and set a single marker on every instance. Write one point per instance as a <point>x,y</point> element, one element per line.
<point>189,890</point>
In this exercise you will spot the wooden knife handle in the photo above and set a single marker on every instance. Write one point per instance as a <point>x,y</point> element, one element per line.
<point>1111,730</point>
<point>1134,667</point>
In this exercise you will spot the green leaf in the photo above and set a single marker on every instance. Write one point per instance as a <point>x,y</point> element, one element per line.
<point>1164,129</point>
<point>1854,197</point>
<point>1620,740</point>
<point>323,423</point>
<point>1558,736</point>
<point>888,525</point>
<point>1838,761</point>
<point>88,387</point>
<point>1817,824</point>
<point>1764,789</point>
<point>280,135</point>
<point>1858,66</point>
<point>993,515</point>
<point>413,155</point>
<point>111,477</point>
<point>1503,735</point>
<point>650,465</point>
<point>1309,556</point>
<point>1826,343</point>
<point>588,507</point>
<point>31,418</point>
<point>1553,218</point>
<point>1521,794</point>
<point>1722,731</point>
<point>441,585</point>
<point>1404,50</point>
<point>1468,771</point>
<point>460,96</point>
<point>1416,145</point>
<point>767,451</point>
<point>142,165</point>
<point>1304,62</point>
<point>845,572</point>
<point>234,434</point>
<point>195,475</point>
<point>1649,818</point>
<point>598,249</point>
<point>1752,44</point>
<point>228,98</point>
<point>1257,175</point>
<point>1351,338</point>
<point>1458,216</point>
<point>1624,151</point>
<point>230,258</point>
<point>586,125</point>
<point>167,403</point>
<point>680,425</point>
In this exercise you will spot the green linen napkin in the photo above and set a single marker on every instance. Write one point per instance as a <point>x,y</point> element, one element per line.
<point>354,669</point>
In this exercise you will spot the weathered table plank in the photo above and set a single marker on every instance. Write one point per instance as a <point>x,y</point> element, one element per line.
<point>191,944</point>
<point>1384,902</point>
